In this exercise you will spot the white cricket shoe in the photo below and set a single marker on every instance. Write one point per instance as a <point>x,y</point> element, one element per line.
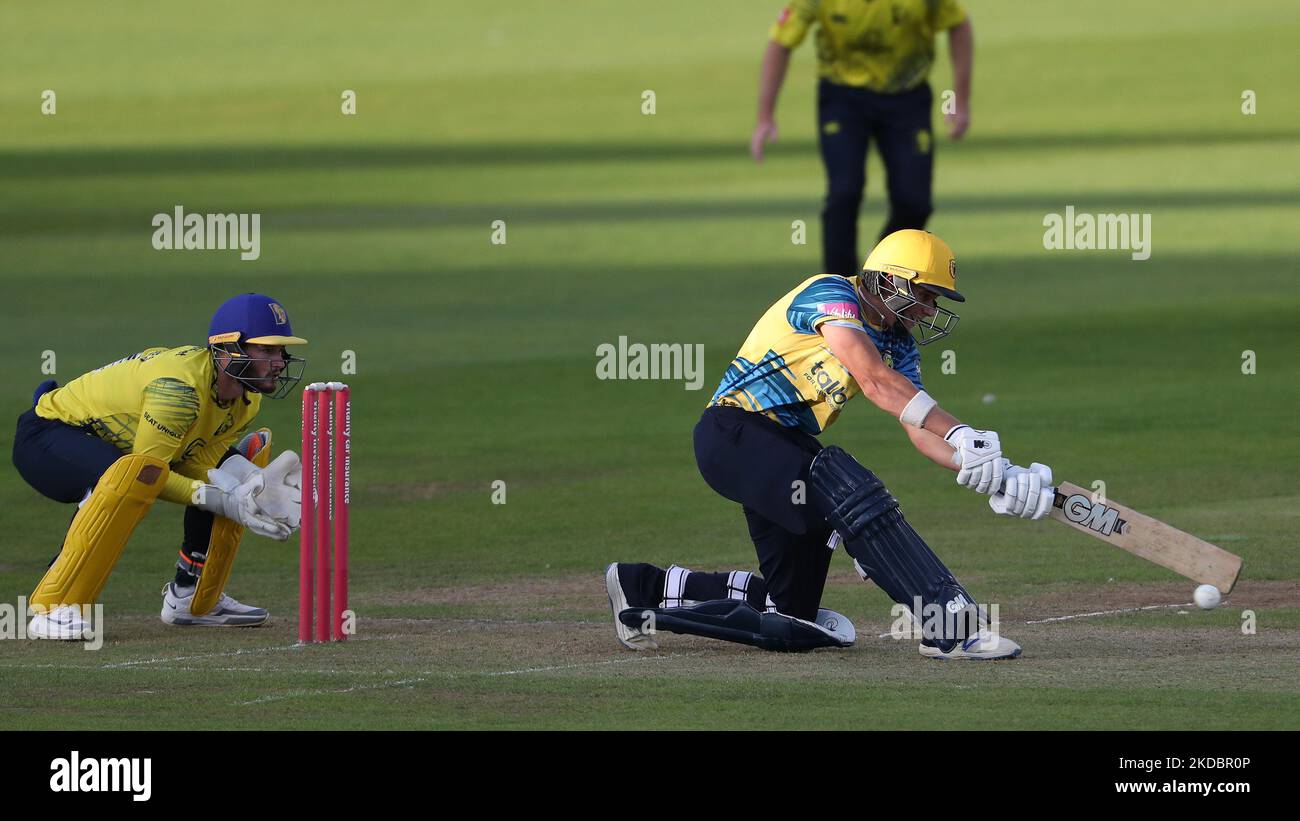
<point>63,623</point>
<point>630,637</point>
<point>984,645</point>
<point>226,613</point>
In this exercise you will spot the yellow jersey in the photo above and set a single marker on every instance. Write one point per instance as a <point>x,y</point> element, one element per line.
<point>161,402</point>
<point>786,371</point>
<point>882,45</point>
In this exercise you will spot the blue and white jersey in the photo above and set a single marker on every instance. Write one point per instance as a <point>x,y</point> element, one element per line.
<point>786,371</point>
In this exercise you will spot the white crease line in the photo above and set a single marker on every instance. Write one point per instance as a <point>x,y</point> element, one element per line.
<point>1109,612</point>
<point>246,651</point>
<point>407,682</point>
<point>1086,615</point>
<point>275,670</point>
<point>200,656</point>
<point>487,622</point>
<point>297,693</point>
<point>226,654</point>
<point>588,664</point>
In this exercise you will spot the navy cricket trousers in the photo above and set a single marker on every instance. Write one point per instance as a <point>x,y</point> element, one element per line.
<point>848,119</point>
<point>60,461</point>
<point>754,461</point>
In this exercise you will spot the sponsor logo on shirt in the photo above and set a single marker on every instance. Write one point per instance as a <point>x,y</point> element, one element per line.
<point>159,425</point>
<point>827,385</point>
<point>847,310</point>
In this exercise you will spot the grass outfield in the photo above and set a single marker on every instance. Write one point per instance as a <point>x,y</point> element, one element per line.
<point>476,362</point>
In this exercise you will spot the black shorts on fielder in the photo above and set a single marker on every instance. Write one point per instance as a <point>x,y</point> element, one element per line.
<point>763,466</point>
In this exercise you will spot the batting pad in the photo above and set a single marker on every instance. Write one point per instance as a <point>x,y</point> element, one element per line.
<point>100,530</point>
<point>737,621</point>
<point>882,543</point>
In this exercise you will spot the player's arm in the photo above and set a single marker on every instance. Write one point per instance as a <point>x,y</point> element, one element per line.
<point>199,462</point>
<point>979,452</point>
<point>931,446</point>
<point>776,59</point>
<point>169,408</point>
<point>884,387</point>
<point>786,34</point>
<point>1013,490</point>
<point>235,487</point>
<point>961,50</point>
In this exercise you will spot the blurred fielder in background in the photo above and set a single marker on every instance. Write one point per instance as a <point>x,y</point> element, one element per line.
<point>166,423</point>
<point>873,59</point>
<point>817,347</point>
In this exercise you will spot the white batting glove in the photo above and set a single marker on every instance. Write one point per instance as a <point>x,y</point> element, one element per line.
<point>1026,492</point>
<point>281,495</point>
<point>979,458</point>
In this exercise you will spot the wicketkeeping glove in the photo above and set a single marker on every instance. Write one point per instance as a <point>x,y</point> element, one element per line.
<point>281,495</point>
<point>230,493</point>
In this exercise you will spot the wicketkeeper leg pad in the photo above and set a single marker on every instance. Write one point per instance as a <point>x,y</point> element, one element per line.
<point>100,530</point>
<point>736,621</point>
<point>223,544</point>
<point>885,547</point>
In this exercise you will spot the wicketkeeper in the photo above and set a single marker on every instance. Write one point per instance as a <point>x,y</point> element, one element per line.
<point>169,423</point>
<point>823,343</point>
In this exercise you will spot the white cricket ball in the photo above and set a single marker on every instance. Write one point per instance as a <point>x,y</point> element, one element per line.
<point>989,399</point>
<point>1206,597</point>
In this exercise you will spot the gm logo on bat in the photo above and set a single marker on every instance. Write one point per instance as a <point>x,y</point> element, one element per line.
<point>1095,516</point>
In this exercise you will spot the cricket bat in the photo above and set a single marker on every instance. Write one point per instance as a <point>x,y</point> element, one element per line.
<point>1143,536</point>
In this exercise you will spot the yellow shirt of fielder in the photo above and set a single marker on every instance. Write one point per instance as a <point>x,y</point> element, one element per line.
<point>882,45</point>
<point>161,402</point>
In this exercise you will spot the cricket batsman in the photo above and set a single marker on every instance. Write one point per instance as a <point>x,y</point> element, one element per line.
<point>171,424</point>
<point>822,344</point>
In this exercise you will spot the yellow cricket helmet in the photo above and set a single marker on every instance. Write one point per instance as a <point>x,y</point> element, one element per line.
<point>919,257</point>
<point>904,261</point>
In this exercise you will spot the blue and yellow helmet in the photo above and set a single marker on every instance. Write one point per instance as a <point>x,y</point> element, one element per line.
<point>256,319</point>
